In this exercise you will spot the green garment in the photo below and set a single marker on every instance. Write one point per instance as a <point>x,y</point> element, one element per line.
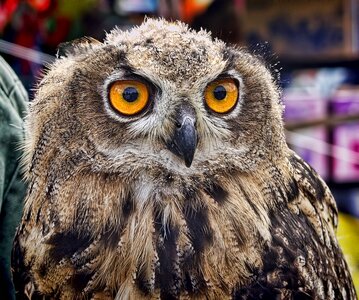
<point>13,104</point>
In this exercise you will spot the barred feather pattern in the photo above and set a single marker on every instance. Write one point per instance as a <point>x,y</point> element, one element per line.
<point>161,237</point>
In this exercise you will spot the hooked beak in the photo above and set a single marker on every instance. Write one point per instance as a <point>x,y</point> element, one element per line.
<point>184,141</point>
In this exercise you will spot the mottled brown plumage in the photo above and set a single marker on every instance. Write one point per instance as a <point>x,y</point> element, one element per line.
<point>113,213</point>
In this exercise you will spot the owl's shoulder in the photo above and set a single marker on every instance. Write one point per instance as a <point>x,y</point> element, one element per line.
<point>314,197</point>
<point>303,258</point>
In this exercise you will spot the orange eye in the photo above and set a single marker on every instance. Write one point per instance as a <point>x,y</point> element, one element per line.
<point>128,97</point>
<point>221,95</point>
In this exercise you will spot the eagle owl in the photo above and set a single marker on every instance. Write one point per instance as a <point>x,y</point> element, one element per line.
<point>158,169</point>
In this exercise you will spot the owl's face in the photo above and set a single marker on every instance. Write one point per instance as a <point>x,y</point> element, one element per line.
<point>162,95</point>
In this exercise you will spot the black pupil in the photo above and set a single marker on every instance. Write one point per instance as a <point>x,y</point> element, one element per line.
<point>130,94</point>
<point>220,92</point>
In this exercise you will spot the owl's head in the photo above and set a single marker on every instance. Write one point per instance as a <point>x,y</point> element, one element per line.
<point>162,95</point>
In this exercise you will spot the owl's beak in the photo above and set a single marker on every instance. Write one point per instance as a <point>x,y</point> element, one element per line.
<point>184,141</point>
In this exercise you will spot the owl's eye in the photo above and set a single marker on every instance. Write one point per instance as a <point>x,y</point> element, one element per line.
<point>128,97</point>
<point>221,95</point>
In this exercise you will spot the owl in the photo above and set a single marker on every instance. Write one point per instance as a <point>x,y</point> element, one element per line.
<point>158,169</point>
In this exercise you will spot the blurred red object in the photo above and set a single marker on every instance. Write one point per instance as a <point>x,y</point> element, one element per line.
<point>191,9</point>
<point>6,11</point>
<point>40,5</point>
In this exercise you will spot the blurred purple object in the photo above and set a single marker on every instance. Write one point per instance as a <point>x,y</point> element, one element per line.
<point>346,136</point>
<point>303,107</point>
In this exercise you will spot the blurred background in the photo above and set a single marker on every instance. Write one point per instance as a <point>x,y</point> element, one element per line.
<point>310,46</point>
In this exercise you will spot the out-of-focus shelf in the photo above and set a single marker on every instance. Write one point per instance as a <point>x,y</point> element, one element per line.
<point>330,121</point>
<point>351,62</point>
<point>312,62</point>
<point>343,185</point>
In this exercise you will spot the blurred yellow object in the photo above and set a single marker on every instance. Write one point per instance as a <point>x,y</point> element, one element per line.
<point>73,9</point>
<point>348,237</point>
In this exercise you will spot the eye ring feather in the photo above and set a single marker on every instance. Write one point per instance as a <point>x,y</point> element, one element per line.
<point>128,97</point>
<point>221,95</point>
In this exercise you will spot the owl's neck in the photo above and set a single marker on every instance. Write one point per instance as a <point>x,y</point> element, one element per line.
<point>179,236</point>
<point>156,233</point>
